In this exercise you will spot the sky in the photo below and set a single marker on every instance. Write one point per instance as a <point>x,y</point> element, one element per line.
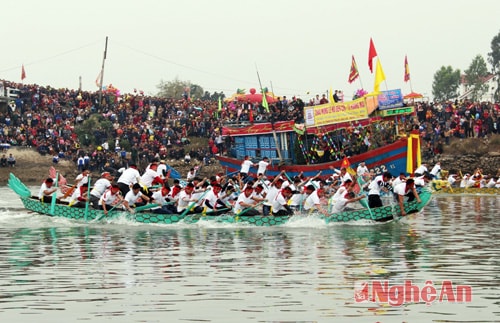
<point>299,48</point>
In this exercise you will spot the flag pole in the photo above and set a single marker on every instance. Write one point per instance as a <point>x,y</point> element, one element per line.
<point>276,143</point>
<point>102,72</point>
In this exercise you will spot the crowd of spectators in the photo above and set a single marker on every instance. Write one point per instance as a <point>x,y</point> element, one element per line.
<point>144,127</point>
<point>440,122</point>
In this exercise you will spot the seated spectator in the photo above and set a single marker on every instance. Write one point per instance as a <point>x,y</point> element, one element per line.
<point>11,161</point>
<point>3,161</point>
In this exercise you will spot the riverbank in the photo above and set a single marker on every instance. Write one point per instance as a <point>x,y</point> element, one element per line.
<point>33,168</point>
<point>461,155</point>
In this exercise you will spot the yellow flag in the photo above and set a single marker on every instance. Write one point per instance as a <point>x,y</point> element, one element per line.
<point>332,99</point>
<point>379,77</point>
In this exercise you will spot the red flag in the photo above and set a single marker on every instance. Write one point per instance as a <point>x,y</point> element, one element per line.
<point>372,53</point>
<point>23,73</point>
<point>345,163</point>
<point>250,115</point>
<point>407,70</point>
<point>353,74</point>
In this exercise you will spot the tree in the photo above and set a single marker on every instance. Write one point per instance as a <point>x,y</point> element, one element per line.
<point>178,89</point>
<point>445,84</point>
<point>475,76</point>
<point>494,60</point>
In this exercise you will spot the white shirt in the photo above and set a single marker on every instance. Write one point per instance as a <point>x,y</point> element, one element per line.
<point>361,170</point>
<point>242,199</point>
<point>129,176</point>
<point>262,167</point>
<point>148,177</point>
<point>159,198</point>
<point>212,198</point>
<point>435,170</point>
<point>339,205</point>
<point>311,201</point>
<point>400,189</point>
<point>339,194</point>
<point>183,201</point>
<point>160,169</point>
<point>421,169</point>
<point>43,188</point>
<point>101,185</point>
<point>108,198</point>
<point>376,185</point>
<point>245,166</point>
<point>279,202</point>
<point>272,192</point>
<point>397,181</point>
<point>131,197</point>
<point>451,179</point>
<point>491,183</point>
<point>81,179</point>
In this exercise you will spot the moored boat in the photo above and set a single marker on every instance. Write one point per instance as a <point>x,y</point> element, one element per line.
<point>329,133</point>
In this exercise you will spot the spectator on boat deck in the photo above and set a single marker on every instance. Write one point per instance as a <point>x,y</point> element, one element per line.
<point>79,196</point>
<point>100,186</point>
<point>111,198</point>
<point>312,201</point>
<point>46,190</point>
<point>341,202</point>
<point>323,100</point>
<point>245,168</point>
<point>246,202</point>
<point>403,190</point>
<point>375,188</point>
<point>263,166</point>
<point>11,161</point>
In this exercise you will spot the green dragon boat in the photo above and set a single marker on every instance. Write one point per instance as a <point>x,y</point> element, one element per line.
<point>381,214</point>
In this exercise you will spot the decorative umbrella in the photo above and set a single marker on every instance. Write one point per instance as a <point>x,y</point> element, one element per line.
<point>252,97</point>
<point>413,95</point>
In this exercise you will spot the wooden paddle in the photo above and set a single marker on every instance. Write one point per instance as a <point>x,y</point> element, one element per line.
<point>190,206</point>
<point>248,209</point>
<point>104,214</point>
<point>146,207</point>
<point>54,197</point>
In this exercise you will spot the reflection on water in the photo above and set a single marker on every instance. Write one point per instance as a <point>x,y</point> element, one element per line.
<point>138,273</point>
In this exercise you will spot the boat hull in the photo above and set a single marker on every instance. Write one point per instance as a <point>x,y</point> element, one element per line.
<point>391,158</point>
